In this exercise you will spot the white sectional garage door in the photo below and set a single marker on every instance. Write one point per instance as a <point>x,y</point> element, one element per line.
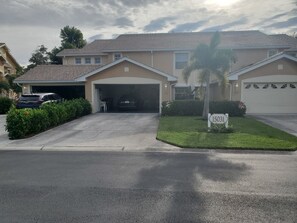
<point>270,94</point>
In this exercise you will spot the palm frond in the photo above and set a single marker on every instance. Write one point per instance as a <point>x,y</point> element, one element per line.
<point>189,69</point>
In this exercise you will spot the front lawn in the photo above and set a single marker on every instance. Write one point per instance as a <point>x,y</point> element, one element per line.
<point>191,132</point>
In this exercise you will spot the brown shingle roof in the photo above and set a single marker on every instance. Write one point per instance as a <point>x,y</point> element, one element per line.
<point>189,41</point>
<point>55,73</point>
<point>181,41</point>
<point>291,41</point>
<point>93,48</point>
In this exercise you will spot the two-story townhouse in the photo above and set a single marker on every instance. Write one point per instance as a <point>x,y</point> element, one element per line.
<point>150,66</point>
<point>8,65</point>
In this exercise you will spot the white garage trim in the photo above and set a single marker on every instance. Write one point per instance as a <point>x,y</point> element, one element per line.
<point>121,81</point>
<point>126,80</point>
<point>272,78</point>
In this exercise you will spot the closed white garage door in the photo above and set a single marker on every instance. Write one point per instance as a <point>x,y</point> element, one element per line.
<point>270,96</point>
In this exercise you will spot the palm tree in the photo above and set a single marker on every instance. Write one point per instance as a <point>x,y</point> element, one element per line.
<point>72,38</point>
<point>209,60</point>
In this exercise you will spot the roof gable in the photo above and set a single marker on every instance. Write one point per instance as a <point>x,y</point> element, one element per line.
<point>236,74</point>
<point>168,76</point>
<point>3,45</point>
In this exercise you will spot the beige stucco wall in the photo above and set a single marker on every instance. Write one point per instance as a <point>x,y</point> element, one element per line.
<point>162,61</point>
<point>289,68</point>
<point>247,57</point>
<point>134,72</point>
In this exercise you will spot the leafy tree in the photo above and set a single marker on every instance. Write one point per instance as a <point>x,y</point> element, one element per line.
<point>53,56</point>
<point>39,56</point>
<point>209,60</point>
<point>72,38</point>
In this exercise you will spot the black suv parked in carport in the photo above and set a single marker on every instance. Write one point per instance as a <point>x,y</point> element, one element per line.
<point>37,99</point>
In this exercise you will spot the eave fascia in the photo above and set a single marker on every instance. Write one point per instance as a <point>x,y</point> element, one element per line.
<point>47,82</point>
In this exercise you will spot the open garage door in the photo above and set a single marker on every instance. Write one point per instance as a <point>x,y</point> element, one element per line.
<point>147,96</point>
<point>270,97</point>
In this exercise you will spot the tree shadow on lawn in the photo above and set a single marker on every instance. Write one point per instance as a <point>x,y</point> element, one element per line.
<point>175,183</point>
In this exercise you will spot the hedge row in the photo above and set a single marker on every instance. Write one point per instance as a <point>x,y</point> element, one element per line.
<point>5,104</point>
<point>194,107</point>
<point>23,122</point>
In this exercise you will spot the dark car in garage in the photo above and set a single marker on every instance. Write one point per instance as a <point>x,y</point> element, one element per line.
<point>37,99</point>
<point>128,102</point>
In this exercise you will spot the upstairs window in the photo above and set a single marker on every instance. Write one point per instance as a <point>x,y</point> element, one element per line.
<point>272,52</point>
<point>181,60</point>
<point>88,60</point>
<point>117,56</point>
<point>77,60</point>
<point>97,60</point>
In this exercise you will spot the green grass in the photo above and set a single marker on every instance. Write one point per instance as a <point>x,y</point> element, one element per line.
<point>191,132</point>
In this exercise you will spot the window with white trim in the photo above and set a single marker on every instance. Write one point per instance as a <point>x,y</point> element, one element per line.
<point>183,93</point>
<point>272,52</point>
<point>181,60</point>
<point>77,60</point>
<point>117,56</point>
<point>87,60</point>
<point>97,60</point>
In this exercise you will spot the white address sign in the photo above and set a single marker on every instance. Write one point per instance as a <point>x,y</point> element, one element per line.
<point>218,119</point>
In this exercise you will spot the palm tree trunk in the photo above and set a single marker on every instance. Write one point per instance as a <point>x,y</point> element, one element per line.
<point>206,100</point>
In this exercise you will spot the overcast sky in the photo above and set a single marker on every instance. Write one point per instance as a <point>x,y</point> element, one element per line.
<point>25,24</point>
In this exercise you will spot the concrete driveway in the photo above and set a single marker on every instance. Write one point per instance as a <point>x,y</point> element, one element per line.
<point>287,123</point>
<point>101,131</point>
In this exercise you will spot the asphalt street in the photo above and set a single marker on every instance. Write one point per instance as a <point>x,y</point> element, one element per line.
<point>48,186</point>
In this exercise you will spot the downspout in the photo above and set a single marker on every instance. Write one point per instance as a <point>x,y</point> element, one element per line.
<point>152,59</point>
<point>230,91</point>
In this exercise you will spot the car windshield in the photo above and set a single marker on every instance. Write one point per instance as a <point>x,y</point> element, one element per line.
<point>29,98</point>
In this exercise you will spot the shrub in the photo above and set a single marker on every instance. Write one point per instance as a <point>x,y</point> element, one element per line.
<point>184,107</point>
<point>5,104</point>
<point>38,120</point>
<point>54,116</point>
<point>194,107</point>
<point>17,123</point>
<point>24,122</point>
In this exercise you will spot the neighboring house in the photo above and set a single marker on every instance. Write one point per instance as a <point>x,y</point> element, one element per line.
<point>150,66</point>
<point>8,65</point>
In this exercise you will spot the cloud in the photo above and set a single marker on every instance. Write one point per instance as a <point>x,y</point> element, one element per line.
<point>123,22</point>
<point>240,21</point>
<point>158,24</point>
<point>132,3</point>
<point>276,17</point>
<point>292,22</point>
<point>188,27</point>
<point>57,13</point>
